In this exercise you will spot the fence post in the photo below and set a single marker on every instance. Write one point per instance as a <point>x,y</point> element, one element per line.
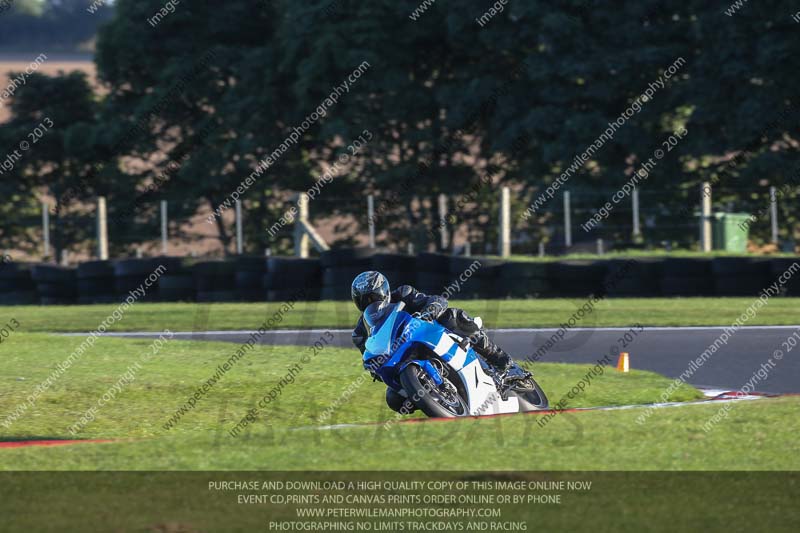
<point>301,240</point>
<point>444,236</point>
<point>600,247</point>
<point>45,230</point>
<point>505,222</point>
<point>239,238</point>
<point>541,249</point>
<point>567,220</point>
<point>773,213</point>
<point>102,229</point>
<point>371,219</point>
<point>637,229</point>
<point>164,227</point>
<point>705,220</point>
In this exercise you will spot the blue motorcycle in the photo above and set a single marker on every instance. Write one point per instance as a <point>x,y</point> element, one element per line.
<point>438,371</point>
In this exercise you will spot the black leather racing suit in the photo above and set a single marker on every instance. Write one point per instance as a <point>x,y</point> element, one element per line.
<point>456,320</point>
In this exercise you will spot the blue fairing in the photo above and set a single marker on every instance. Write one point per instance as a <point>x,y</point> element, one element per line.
<point>382,353</point>
<point>391,338</point>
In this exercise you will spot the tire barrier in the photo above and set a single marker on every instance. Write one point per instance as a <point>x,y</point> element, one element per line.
<point>215,281</point>
<point>330,276</point>
<point>177,284</point>
<point>130,274</point>
<point>55,285</point>
<point>16,285</point>
<point>399,269</point>
<point>780,265</point>
<point>249,276</point>
<point>339,267</point>
<point>641,278</point>
<point>739,276</point>
<point>96,283</point>
<point>433,272</point>
<point>474,277</point>
<point>286,276</point>
<point>687,277</point>
<point>525,280</point>
<point>578,278</point>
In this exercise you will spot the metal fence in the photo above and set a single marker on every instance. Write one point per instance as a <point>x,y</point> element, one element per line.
<point>402,223</point>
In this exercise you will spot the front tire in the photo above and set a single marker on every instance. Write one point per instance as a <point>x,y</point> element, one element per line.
<point>442,401</point>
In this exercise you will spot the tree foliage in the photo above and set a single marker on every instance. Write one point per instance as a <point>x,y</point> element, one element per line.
<point>450,100</point>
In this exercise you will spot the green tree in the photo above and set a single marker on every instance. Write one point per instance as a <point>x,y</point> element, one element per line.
<point>51,139</point>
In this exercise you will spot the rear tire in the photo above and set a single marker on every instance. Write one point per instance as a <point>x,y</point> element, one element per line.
<point>531,396</point>
<point>431,400</point>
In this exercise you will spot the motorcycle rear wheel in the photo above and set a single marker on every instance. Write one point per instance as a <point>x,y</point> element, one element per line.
<point>531,396</point>
<point>435,401</point>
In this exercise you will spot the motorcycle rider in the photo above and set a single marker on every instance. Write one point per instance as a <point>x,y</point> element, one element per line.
<point>372,286</point>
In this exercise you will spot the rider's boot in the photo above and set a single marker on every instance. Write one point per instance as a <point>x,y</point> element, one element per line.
<point>457,320</point>
<point>493,354</point>
<point>398,403</point>
<point>498,358</point>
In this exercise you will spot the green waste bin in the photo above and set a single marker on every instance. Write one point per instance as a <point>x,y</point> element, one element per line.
<point>731,231</point>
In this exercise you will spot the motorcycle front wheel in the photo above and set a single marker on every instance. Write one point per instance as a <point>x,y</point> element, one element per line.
<point>436,401</point>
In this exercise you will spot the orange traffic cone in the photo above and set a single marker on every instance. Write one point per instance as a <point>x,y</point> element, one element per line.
<point>623,364</point>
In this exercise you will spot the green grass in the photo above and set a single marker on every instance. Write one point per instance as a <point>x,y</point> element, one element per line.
<point>284,437</point>
<point>496,313</point>
<point>660,253</point>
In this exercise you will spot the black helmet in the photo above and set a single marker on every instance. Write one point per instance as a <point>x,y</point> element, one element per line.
<point>369,287</point>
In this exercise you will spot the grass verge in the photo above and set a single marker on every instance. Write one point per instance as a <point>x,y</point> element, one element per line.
<point>671,439</point>
<point>496,313</point>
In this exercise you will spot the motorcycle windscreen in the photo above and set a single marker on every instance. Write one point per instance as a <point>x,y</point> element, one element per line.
<point>376,314</point>
<point>380,319</point>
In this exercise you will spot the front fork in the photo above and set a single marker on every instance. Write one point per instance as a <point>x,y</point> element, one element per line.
<point>429,368</point>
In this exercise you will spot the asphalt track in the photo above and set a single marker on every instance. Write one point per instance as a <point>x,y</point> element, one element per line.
<point>666,350</point>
